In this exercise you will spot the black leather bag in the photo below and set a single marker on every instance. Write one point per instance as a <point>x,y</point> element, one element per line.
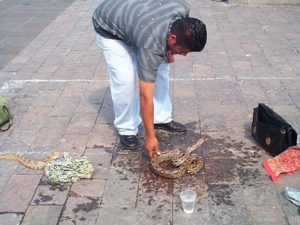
<point>271,131</point>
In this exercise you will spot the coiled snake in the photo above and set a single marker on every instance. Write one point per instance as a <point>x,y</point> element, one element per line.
<point>181,161</point>
<point>59,167</point>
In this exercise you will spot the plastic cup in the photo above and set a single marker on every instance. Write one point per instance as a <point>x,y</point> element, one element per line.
<point>188,200</point>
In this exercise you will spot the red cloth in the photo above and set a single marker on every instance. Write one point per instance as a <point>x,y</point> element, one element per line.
<point>287,162</point>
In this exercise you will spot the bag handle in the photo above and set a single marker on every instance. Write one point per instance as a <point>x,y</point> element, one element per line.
<point>292,136</point>
<point>10,122</point>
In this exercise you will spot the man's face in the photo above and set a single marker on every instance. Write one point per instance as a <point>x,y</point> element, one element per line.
<point>177,49</point>
<point>174,47</point>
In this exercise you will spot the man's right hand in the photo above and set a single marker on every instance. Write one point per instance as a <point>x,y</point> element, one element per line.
<point>151,144</point>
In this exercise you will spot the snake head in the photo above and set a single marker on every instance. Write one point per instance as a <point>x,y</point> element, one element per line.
<point>155,155</point>
<point>54,155</point>
<point>179,157</point>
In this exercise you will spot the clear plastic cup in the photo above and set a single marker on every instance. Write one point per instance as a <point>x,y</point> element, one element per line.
<point>188,200</point>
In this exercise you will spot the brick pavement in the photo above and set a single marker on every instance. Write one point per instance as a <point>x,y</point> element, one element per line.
<point>22,20</point>
<point>58,90</point>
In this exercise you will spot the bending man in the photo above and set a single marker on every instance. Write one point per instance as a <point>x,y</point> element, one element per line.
<point>139,39</point>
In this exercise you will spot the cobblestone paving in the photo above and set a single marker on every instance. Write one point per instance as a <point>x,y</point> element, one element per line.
<point>22,20</point>
<point>58,92</point>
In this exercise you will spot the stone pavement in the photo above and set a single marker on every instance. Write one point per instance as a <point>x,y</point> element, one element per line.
<point>22,20</point>
<point>58,92</point>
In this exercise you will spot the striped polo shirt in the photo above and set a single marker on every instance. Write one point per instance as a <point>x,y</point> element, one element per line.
<point>142,24</point>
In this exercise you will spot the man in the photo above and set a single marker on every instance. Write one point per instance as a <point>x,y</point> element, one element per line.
<point>139,39</point>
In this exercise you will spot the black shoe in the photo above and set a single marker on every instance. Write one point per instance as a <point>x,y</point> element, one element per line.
<point>129,141</point>
<point>171,126</point>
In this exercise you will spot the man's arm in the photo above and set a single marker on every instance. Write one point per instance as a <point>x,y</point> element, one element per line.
<point>147,111</point>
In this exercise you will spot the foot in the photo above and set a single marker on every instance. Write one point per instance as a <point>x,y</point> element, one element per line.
<point>129,141</point>
<point>171,126</point>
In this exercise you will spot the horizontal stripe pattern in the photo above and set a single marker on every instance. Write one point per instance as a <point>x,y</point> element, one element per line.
<point>142,24</point>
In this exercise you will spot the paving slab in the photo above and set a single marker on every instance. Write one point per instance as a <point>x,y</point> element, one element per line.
<point>40,215</point>
<point>50,194</point>
<point>80,210</point>
<point>22,21</point>
<point>17,194</point>
<point>10,218</point>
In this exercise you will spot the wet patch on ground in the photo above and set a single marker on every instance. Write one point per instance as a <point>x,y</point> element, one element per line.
<point>49,194</point>
<point>227,205</point>
<point>127,163</point>
<point>172,141</point>
<point>53,186</point>
<point>220,147</point>
<point>157,207</point>
<point>151,183</point>
<point>227,162</point>
<point>43,198</point>
<point>227,159</point>
<point>221,194</point>
<point>73,194</point>
<point>249,176</point>
<point>106,149</point>
<point>92,204</point>
<point>80,209</point>
<point>221,171</point>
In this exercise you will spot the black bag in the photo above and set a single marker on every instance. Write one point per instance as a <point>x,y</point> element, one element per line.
<point>271,131</point>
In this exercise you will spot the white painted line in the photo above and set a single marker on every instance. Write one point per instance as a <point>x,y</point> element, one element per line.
<point>14,84</point>
<point>234,78</point>
<point>269,78</point>
<point>55,81</point>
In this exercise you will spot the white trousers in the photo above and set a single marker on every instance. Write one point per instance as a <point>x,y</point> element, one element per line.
<point>124,86</point>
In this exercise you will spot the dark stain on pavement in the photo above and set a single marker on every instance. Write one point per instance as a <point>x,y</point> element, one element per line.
<point>58,187</point>
<point>73,194</point>
<point>106,149</point>
<point>150,200</point>
<point>82,218</point>
<point>172,141</point>
<point>127,167</point>
<point>87,207</point>
<point>226,162</point>
<point>151,183</point>
<point>221,194</point>
<point>109,150</point>
<point>54,187</point>
<point>220,170</point>
<point>230,161</point>
<point>43,198</point>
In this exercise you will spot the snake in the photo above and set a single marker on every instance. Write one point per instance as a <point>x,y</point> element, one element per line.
<point>31,164</point>
<point>181,161</point>
<point>59,167</point>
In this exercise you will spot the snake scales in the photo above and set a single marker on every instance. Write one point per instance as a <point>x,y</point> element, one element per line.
<point>32,164</point>
<point>59,167</point>
<point>181,161</point>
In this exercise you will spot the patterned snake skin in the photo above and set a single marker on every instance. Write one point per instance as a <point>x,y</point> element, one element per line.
<point>182,162</point>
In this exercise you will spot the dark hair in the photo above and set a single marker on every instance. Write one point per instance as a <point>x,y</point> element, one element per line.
<point>190,33</point>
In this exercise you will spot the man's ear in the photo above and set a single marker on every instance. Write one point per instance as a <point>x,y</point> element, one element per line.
<point>171,38</point>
